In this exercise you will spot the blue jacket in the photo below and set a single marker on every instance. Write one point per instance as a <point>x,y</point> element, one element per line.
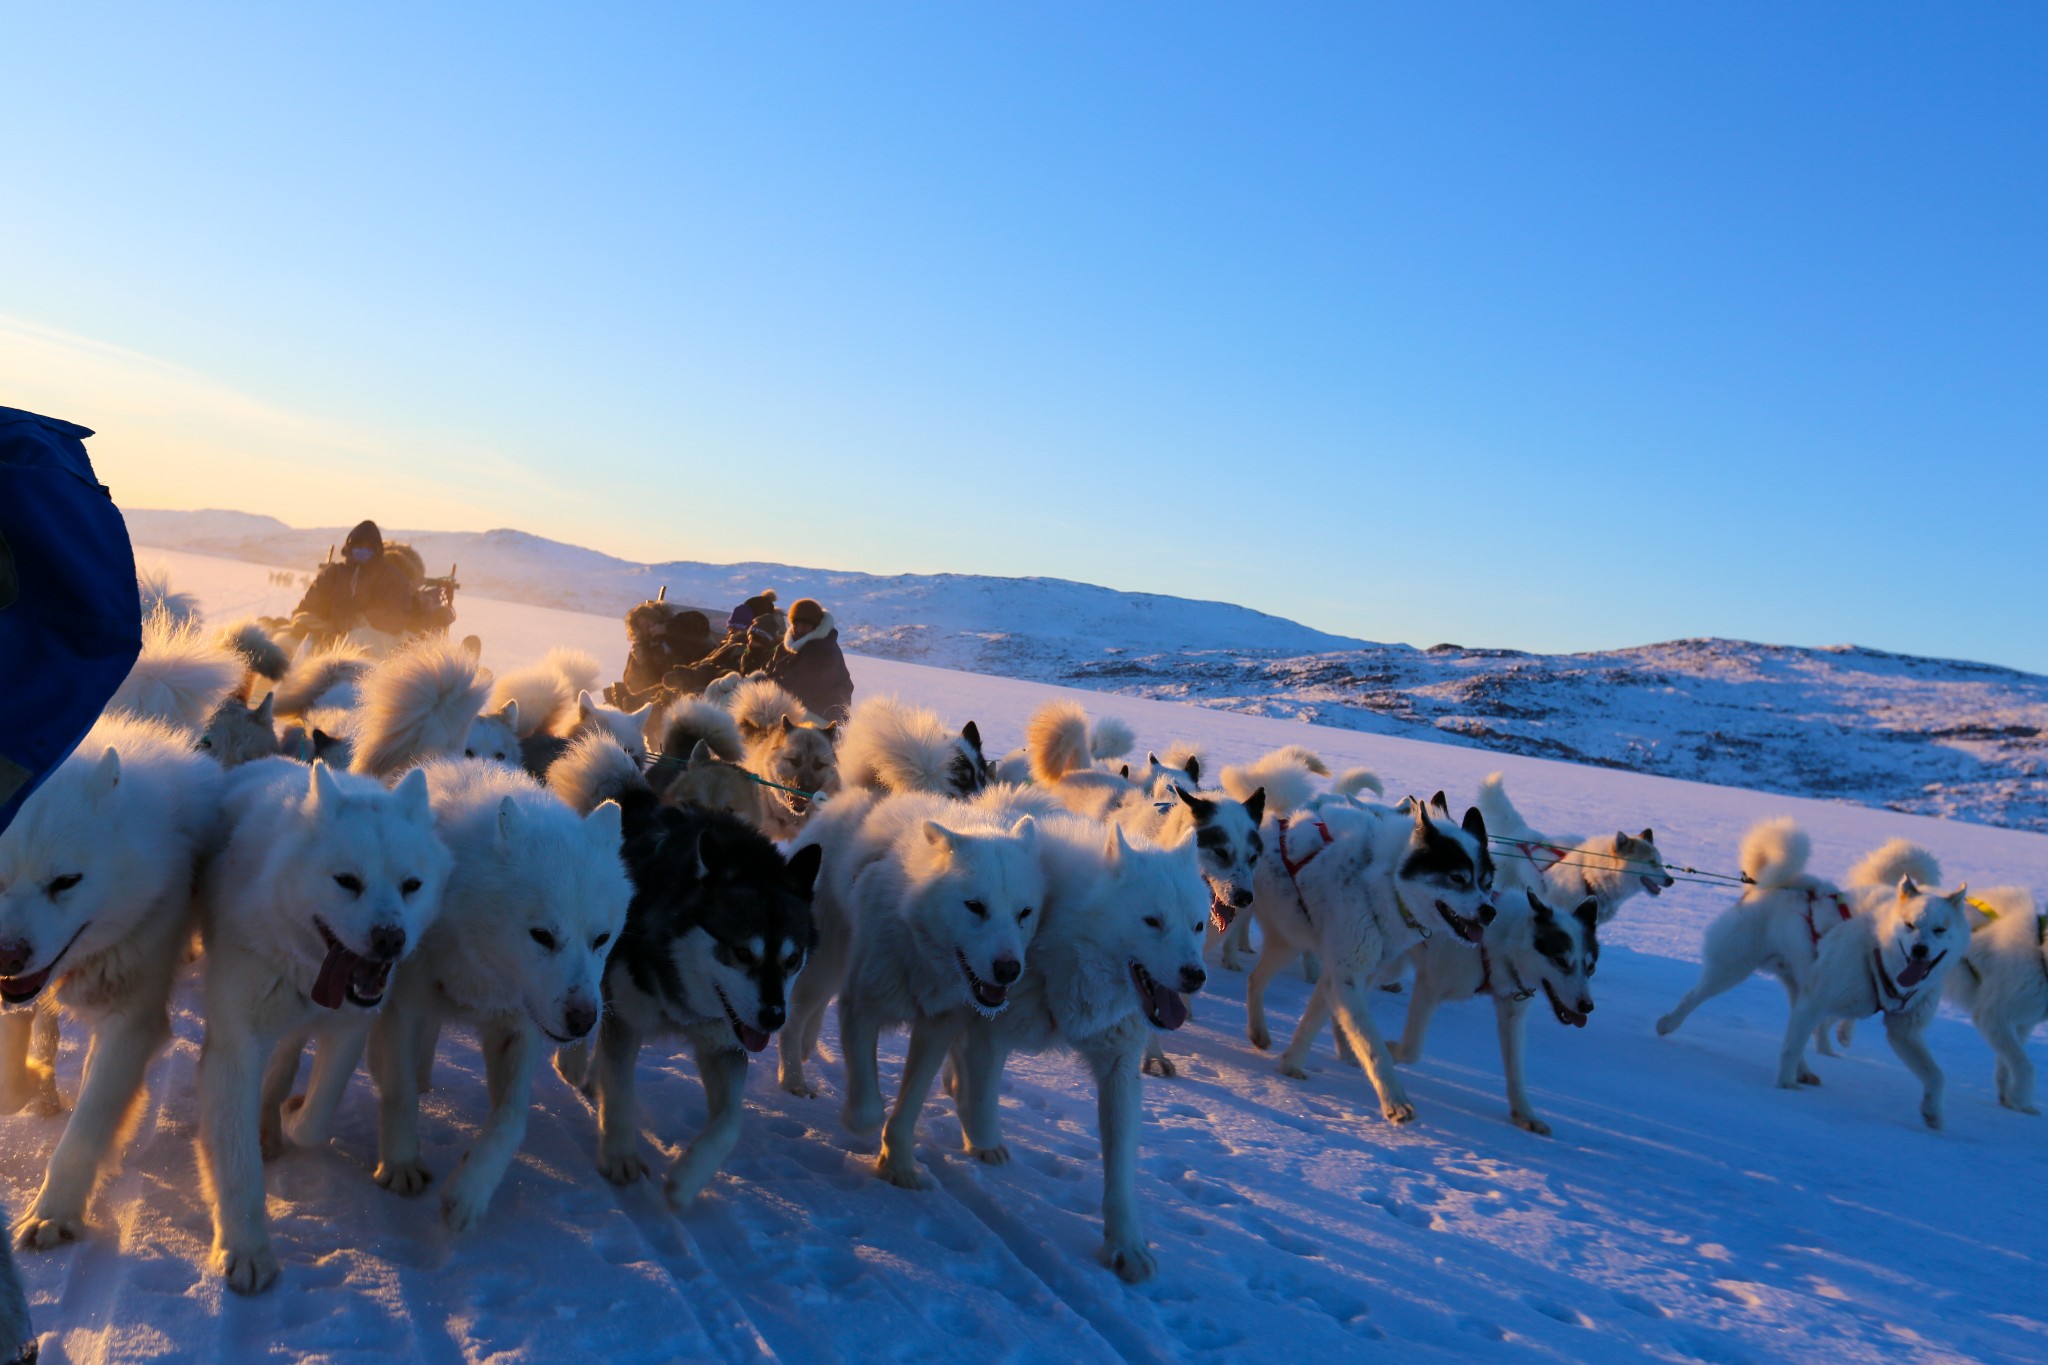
<point>70,619</point>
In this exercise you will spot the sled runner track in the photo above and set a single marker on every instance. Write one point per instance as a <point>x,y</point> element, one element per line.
<point>719,1317</point>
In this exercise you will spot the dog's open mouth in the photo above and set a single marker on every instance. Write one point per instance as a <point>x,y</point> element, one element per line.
<point>1470,928</point>
<point>1221,911</point>
<point>1565,1013</point>
<point>347,975</point>
<point>751,1038</point>
<point>1164,1009</point>
<point>19,990</point>
<point>989,998</point>
<point>1917,968</point>
<point>1654,886</point>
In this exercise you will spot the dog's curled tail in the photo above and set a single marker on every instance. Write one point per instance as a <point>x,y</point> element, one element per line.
<point>547,691</point>
<point>1352,781</point>
<point>1056,739</point>
<point>181,676</point>
<point>312,675</point>
<point>1307,758</point>
<point>263,655</point>
<point>1774,853</point>
<point>153,587</point>
<point>418,703</point>
<point>1288,782</point>
<point>688,722</point>
<point>1893,859</point>
<point>760,705</point>
<point>1499,812</point>
<point>592,771</point>
<point>1111,738</point>
<point>892,747</point>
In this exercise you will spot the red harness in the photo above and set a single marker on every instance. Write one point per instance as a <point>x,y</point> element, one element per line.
<point>1294,866</point>
<point>1534,852</point>
<point>1815,897</point>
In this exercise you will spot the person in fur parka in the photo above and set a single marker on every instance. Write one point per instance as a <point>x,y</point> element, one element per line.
<point>809,664</point>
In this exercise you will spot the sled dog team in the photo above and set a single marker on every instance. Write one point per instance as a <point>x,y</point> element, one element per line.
<point>423,843</point>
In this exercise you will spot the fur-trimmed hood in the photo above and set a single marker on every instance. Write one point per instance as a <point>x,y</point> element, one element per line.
<point>826,626</point>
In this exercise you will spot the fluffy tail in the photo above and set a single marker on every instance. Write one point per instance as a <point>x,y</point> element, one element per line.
<point>546,691</point>
<point>1893,859</point>
<point>1187,757</point>
<point>691,721</point>
<point>153,586</point>
<point>312,675</point>
<point>892,747</point>
<point>1056,740</point>
<point>181,677</point>
<point>592,771</point>
<point>760,705</point>
<point>417,704</point>
<point>263,655</point>
<point>1289,783</point>
<point>1500,814</point>
<point>1110,738</point>
<point>1352,781</point>
<point>1774,853</point>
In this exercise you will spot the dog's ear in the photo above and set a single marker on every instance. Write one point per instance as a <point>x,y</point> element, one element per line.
<point>1908,888</point>
<point>938,836</point>
<point>321,791</point>
<point>104,777</point>
<point>1201,808</point>
<point>1125,772</point>
<point>1194,769</point>
<point>1421,816</point>
<point>1537,907</point>
<point>1255,805</point>
<point>1960,896</point>
<point>586,705</point>
<point>1474,824</point>
<point>700,856</point>
<point>411,792</point>
<point>509,713</point>
<point>1588,914</point>
<point>265,713</point>
<point>1026,829</point>
<point>831,731</point>
<point>606,826</point>
<point>802,875</point>
<point>700,752</point>
<point>788,725</point>
<point>1115,846</point>
<point>509,822</point>
<point>1648,836</point>
<point>1622,843</point>
<point>1441,802</point>
<point>972,734</point>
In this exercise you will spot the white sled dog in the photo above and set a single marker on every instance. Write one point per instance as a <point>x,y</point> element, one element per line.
<point>2003,983</point>
<point>95,910</point>
<point>181,676</point>
<point>534,901</point>
<point>1565,870</point>
<point>1359,888</point>
<point>427,701</point>
<point>327,880</point>
<point>1120,942</point>
<point>1781,921</point>
<point>1527,947</point>
<point>891,746</point>
<point>1890,960</point>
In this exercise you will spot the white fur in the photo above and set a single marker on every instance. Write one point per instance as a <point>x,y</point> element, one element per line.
<point>128,814</point>
<point>182,675</point>
<point>547,691</point>
<point>1608,867</point>
<point>892,746</point>
<point>153,586</point>
<point>420,703</point>
<point>1288,781</point>
<point>324,679</point>
<point>292,832</point>
<point>2003,983</point>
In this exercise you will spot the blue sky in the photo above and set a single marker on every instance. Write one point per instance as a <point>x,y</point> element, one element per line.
<point>1547,326</point>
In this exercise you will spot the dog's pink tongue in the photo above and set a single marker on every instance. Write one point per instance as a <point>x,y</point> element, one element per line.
<point>752,1039</point>
<point>1171,1010</point>
<point>1916,971</point>
<point>333,978</point>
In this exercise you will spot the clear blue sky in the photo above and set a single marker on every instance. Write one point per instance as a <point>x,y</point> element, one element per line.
<point>1554,326</point>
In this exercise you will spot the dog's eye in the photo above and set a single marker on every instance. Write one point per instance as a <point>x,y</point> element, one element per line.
<point>349,882</point>
<point>1942,930</point>
<point>980,910</point>
<point>59,885</point>
<point>792,962</point>
<point>1024,914</point>
<point>408,886</point>
<point>206,741</point>
<point>600,941</point>
<point>1154,922</point>
<point>1460,880</point>
<point>544,939</point>
<point>469,753</point>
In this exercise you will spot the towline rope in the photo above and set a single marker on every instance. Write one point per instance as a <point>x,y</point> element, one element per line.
<point>672,761</point>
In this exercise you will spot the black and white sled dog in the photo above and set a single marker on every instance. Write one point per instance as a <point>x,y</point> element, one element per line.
<point>326,881</point>
<point>891,746</point>
<point>532,905</point>
<point>1527,947</point>
<point>2003,983</point>
<point>1565,870</point>
<point>95,911</point>
<point>1359,887</point>
<point>1120,942</point>
<point>1781,920</point>
<point>720,924</point>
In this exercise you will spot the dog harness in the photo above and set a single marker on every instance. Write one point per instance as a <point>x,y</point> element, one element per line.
<point>1295,865</point>
<point>1813,898</point>
<point>1545,856</point>
<point>1522,992</point>
<point>1899,993</point>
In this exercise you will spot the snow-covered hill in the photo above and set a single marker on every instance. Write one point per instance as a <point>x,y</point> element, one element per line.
<point>1685,1210</point>
<point>1930,736</point>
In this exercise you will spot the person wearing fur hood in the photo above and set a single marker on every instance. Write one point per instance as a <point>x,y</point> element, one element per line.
<point>809,664</point>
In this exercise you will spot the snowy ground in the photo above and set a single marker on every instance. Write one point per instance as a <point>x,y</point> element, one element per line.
<point>1685,1209</point>
<point>1927,736</point>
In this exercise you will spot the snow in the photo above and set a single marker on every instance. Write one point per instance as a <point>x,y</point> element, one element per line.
<point>1930,736</point>
<point>1685,1209</point>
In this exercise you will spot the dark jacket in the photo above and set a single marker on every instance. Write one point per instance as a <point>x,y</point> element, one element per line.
<point>813,670</point>
<point>378,593</point>
<point>685,640</point>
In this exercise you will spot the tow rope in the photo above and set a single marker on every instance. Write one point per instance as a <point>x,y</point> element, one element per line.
<point>683,764</point>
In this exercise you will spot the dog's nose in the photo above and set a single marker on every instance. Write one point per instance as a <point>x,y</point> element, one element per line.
<point>387,943</point>
<point>580,1018</point>
<point>1006,969</point>
<point>1486,914</point>
<point>1192,979</point>
<point>1241,897</point>
<point>771,1017</point>
<point>1585,1005</point>
<point>1919,950</point>
<point>14,955</point>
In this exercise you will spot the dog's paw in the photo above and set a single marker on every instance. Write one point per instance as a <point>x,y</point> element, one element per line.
<point>998,1155</point>
<point>1132,1260</point>
<point>1932,1115</point>
<point>1807,1077</point>
<point>2019,1108</point>
<point>1666,1026</point>
<point>1230,963</point>
<point>800,1086</point>
<point>1293,1071</point>
<point>1529,1123</point>
<point>1402,1053</point>
<point>1399,1112</point>
<point>1261,1038</point>
<point>1162,1065</point>
<point>402,1177</point>
<point>38,1233</point>
<point>903,1174</point>
<point>623,1168</point>
<point>1391,987</point>
<point>861,1118</point>
<point>462,1207</point>
<point>247,1270</point>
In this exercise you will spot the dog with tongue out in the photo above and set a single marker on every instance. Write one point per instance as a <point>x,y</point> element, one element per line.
<point>324,883</point>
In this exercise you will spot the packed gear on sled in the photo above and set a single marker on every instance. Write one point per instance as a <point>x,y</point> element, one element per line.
<point>752,633</point>
<point>375,587</point>
<point>70,615</point>
<point>809,665</point>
